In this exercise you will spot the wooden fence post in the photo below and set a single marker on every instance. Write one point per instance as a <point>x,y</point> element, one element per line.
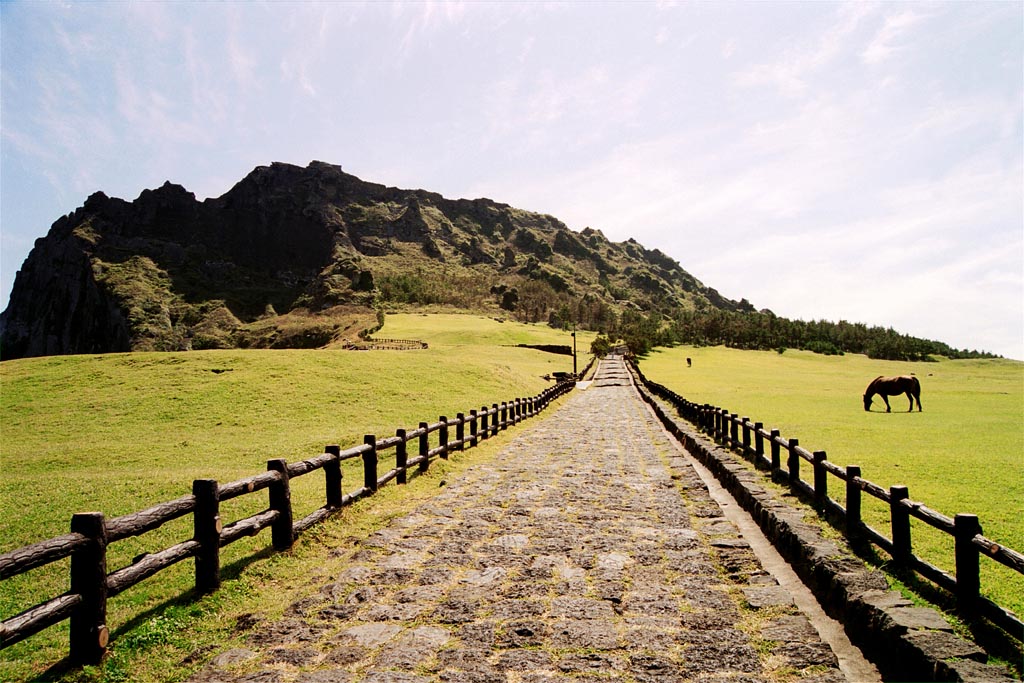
<point>776,451</point>
<point>746,436</point>
<point>89,634</point>
<point>968,579</point>
<point>460,431</point>
<point>900,521</point>
<point>332,477</point>
<point>280,494</point>
<point>472,428</point>
<point>442,437</point>
<point>734,430</point>
<point>854,530</point>
<point>758,445</point>
<point>820,479</point>
<point>401,457</point>
<point>494,422</point>
<point>370,463</point>
<point>206,526</point>
<point>485,431</point>
<point>424,448</point>
<point>793,462</point>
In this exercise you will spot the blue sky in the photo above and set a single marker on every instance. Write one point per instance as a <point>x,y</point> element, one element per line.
<point>857,161</point>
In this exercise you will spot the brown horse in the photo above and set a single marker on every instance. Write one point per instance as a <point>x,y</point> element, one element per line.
<point>893,386</point>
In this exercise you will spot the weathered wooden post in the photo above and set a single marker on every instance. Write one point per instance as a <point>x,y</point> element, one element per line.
<point>472,428</point>
<point>820,480</point>
<point>504,415</point>
<point>460,431</point>
<point>734,430</point>
<point>746,436</point>
<point>89,634</point>
<point>758,445</point>
<point>332,477</point>
<point>494,422</point>
<point>442,437</point>
<point>280,494</point>
<point>401,457</point>
<point>900,521</point>
<point>793,463</point>
<point>370,463</point>
<point>485,431</point>
<point>854,530</point>
<point>206,526</point>
<point>424,448</point>
<point>776,450</point>
<point>968,578</point>
<point>517,414</point>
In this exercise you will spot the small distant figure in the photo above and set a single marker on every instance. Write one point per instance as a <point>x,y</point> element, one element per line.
<point>894,386</point>
<point>689,362</point>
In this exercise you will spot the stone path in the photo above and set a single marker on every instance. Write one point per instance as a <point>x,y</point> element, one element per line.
<point>589,550</point>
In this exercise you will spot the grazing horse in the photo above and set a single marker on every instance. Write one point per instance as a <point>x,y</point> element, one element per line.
<point>893,386</point>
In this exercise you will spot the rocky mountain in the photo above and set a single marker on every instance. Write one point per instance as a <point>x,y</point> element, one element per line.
<point>302,257</point>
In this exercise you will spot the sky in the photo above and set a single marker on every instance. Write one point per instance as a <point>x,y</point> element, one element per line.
<point>840,161</point>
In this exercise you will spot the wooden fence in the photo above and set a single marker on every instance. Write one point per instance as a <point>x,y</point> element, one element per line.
<point>91,586</point>
<point>751,439</point>
<point>374,344</point>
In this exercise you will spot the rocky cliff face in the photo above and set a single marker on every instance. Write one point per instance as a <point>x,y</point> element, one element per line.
<point>313,245</point>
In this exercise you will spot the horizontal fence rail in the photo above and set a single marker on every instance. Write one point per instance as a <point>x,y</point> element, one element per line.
<point>91,586</point>
<point>768,450</point>
<point>375,344</point>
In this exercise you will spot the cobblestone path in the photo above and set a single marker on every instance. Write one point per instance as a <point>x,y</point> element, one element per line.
<point>587,551</point>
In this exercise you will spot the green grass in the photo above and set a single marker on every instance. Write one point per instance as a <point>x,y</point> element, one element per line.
<point>963,453</point>
<point>120,432</point>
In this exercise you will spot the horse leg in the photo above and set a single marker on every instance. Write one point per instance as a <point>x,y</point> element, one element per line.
<point>886,399</point>
<point>910,397</point>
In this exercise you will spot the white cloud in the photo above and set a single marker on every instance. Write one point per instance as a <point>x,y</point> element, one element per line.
<point>888,39</point>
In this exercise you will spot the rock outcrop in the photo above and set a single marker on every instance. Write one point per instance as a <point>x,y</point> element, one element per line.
<point>168,272</point>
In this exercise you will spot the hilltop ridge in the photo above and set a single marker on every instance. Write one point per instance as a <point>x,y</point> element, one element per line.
<point>297,256</point>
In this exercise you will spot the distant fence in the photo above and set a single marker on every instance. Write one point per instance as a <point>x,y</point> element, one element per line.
<point>750,439</point>
<point>370,344</point>
<point>85,604</point>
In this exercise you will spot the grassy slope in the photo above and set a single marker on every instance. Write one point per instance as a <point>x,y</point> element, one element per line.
<point>120,432</point>
<point>963,453</point>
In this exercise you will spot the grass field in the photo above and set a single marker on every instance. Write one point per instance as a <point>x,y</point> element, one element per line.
<point>963,453</point>
<point>120,432</point>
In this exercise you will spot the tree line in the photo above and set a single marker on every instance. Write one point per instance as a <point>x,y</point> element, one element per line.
<point>763,330</point>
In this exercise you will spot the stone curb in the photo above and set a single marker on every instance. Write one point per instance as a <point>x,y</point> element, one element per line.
<point>904,642</point>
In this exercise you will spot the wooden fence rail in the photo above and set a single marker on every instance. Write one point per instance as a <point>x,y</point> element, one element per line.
<point>91,586</point>
<point>749,438</point>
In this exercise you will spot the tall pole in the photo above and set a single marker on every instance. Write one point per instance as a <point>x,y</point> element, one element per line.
<point>574,349</point>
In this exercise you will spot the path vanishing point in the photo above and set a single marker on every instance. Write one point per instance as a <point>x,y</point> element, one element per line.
<point>592,548</point>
